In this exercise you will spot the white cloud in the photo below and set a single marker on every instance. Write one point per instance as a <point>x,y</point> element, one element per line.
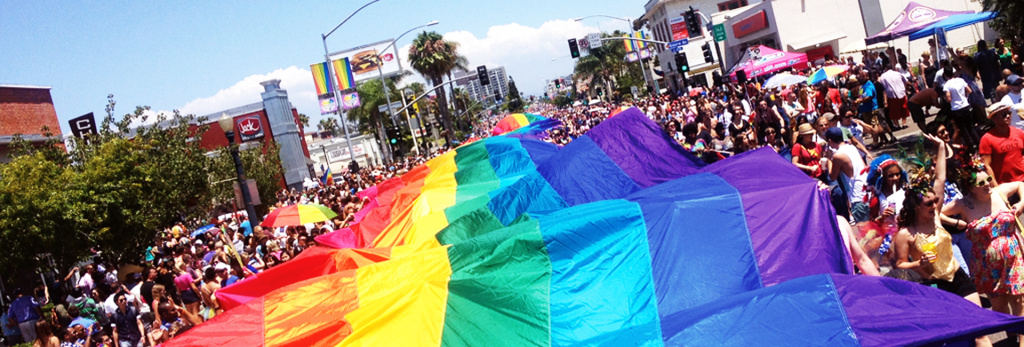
<point>525,52</point>
<point>297,81</point>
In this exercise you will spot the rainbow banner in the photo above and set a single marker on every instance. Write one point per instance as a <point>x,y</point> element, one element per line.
<point>635,46</point>
<point>320,80</point>
<point>327,177</point>
<point>343,73</point>
<point>620,238</point>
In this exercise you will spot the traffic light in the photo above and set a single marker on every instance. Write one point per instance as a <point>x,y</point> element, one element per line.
<point>393,133</point>
<point>574,50</point>
<point>558,83</point>
<point>681,63</point>
<point>708,57</point>
<point>692,22</point>
<point>481,74</point>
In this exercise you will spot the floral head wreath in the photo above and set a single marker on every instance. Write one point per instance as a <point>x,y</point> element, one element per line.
<point>921,181</point>
<point>969,170</point>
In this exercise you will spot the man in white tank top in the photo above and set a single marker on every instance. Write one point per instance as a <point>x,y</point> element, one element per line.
<point>846,163</point>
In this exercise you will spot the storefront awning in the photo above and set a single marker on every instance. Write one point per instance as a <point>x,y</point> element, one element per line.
<point>799,45</point>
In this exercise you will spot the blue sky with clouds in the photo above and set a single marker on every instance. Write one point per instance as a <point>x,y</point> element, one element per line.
<point>205,57</point>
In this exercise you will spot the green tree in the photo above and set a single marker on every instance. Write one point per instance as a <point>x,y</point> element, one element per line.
<point>304,120</point>
<point>329,124</point>
<point>434,58</point>
<point>515,101</point>
<point>1008,21</point>
<point>113,190</point>
<point>607,67</point>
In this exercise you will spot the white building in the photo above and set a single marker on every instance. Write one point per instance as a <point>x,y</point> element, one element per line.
<point>820,28</point>
<point>335,151</point>
<point>498,84</point>
<point>553,89</point>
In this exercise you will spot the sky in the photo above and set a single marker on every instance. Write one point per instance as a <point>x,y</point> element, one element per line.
<point>204,57</point>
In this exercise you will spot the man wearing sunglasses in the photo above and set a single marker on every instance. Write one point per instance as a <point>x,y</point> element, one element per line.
<point>1002,147</point>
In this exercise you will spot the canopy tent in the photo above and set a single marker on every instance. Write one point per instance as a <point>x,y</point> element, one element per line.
<point>761,60</point>
<point>913,18</point>
<point>952,22</point>
<point>860,46</point>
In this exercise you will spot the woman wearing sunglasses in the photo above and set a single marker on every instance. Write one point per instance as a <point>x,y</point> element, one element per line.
<point>997,266</point>
<point>922,244</point>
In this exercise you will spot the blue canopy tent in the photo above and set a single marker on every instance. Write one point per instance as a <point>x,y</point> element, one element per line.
<point>955,21</point>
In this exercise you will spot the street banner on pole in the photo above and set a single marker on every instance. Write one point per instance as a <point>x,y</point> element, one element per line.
<point>320,79</point>
<point>350,101</point>
<point>328,105</point>
<point>253,193</point>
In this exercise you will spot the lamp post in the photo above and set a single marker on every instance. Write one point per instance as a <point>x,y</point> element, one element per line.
<point>337,93</point>
<point>384,86</point>
<point>227,123</point>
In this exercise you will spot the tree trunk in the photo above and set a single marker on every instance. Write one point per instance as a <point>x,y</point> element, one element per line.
<point>446,118</point>
<point>385,148</point>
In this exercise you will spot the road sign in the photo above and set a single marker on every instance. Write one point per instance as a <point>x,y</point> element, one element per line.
<point>719,30</point>
<point>395,106</point>
<point>594,40</point>
<point>677,46</point>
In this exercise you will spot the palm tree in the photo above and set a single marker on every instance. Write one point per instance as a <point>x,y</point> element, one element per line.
<point>605,65</point>
<point>433,57</point>
<point>304,120</point>
<point>329,124</point>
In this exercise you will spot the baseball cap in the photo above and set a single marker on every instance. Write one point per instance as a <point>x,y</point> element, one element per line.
<point>222,266</point>
<point>829,116</point>
<point>834,134</point>
<point>1014,80</point>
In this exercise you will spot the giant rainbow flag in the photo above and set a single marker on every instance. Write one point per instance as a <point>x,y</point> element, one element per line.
<point>524,124</point>
<point>620,238</point>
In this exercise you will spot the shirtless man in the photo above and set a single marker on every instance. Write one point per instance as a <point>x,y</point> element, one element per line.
<point>208,291</point>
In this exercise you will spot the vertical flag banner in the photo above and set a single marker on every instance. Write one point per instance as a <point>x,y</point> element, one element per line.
<point>640,44</point>
<point>350,101</point>
<point>327,177</point>
<point>343,72</point>
<point>635,46</point>
<point>328,105</point>
<point>323,86</point>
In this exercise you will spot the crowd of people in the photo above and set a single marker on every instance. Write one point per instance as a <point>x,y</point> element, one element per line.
<point>944,216</point>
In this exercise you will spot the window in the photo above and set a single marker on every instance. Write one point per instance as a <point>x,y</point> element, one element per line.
<point>731,5</point>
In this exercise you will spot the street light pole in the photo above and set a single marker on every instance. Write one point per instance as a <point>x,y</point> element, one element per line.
<point>333,82</point>
<point>387,95</point>
<point>227,124</point>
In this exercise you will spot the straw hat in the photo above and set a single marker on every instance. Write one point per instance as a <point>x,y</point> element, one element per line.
<point>805,129</point>
<point>996,109</point>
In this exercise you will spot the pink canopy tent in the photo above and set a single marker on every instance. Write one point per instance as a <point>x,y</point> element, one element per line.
<point>760,60</point>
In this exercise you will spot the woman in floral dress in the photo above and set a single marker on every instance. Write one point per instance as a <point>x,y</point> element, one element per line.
<point>998,265</point>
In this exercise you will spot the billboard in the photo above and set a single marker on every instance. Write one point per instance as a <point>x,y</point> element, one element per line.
<point>364,60</point>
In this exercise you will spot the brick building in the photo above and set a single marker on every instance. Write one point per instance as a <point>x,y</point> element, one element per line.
<point>25,110</point>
